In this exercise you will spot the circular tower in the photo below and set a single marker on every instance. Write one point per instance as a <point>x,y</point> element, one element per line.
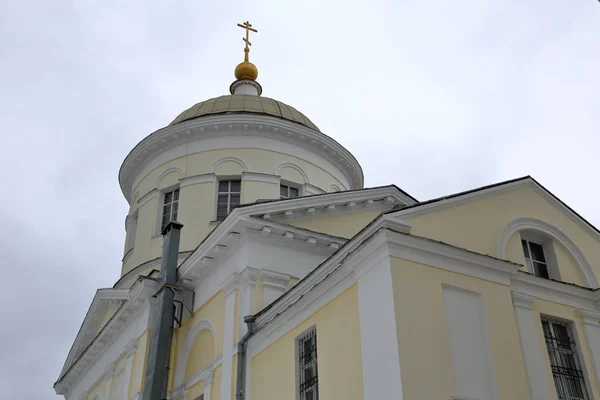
<point>222,152</point>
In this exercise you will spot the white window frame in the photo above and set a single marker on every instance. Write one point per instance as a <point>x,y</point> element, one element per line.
<point>289,185</point>
<point>549,253</point>
<point>297,360</point>
<point>222,179</point>
<point>161,205</point>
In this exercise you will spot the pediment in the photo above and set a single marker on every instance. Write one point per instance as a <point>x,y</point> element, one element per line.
<point>105,302</point>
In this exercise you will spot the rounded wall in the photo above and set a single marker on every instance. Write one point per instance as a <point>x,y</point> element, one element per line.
<point>262,163</point>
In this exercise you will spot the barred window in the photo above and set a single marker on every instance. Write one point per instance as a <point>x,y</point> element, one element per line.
<point>308,379</point>
<point>170,208</point>
<point>564,360</point>
<point>228,197</point>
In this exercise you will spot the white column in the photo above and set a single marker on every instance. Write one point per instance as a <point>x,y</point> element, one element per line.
<point>229,287</point>
<point>537,370</point>
<point>273,285</point>
<point>208,380</point>
<point>109,375</point>
<point>591,324</point>
<point>129,353</point>
<point>378,334</point>
<point>249,276</point>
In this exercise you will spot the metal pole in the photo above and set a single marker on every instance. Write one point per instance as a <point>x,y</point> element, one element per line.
<point>157,366</point>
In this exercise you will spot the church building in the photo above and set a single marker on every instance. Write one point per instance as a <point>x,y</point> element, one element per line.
<point>295,282</point>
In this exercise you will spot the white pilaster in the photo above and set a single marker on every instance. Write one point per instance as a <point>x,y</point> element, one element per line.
<point>273,285</point>
<point>109,375</point>
<point>249,276</point>
<point>208,380</point>
<point>537,370</point>
<point>229,287</point>
<point>591,324</point>
<point>129,353</point>
<point>378,334</point>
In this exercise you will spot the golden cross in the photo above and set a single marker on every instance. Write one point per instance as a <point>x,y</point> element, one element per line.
<point>248,27</point>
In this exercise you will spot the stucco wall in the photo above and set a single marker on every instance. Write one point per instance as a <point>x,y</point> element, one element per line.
<point>423,342</point>
<point>338,354</point>
<point>476,225</point>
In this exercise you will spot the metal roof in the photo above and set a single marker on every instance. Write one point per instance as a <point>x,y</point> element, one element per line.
<point>243,103</point>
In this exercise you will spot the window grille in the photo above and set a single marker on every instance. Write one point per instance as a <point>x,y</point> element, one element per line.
<point>308,379</point>
<point>170,208</point>
<point>288,192</point>
<point>228,197</point>
<point>564,361</point>
<point>535,258</point>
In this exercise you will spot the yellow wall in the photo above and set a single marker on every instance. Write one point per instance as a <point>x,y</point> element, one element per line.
<point>214,311</point>
<point>339,357</point>
<point>197,202</point>
<point>547,308</point>
<point>342,225</point>
<point>422,335</point>
<point>477,225</point>
<point>139,364</point>
<point>202,353</point>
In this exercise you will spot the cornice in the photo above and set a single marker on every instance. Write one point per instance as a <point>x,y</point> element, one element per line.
<point>247,124</point>
<point>138,299</point>
<point>590,317</point>
<point>522,300</point>
<point>260,177</point>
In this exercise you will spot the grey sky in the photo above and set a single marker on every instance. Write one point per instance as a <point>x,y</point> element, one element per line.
<point>435,96</point>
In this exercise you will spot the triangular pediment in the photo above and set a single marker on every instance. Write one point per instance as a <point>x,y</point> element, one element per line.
<point>105,303</point>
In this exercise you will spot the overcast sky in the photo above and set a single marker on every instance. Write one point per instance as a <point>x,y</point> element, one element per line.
<point>434,96</point>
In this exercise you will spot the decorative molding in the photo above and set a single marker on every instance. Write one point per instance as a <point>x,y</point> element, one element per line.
<point>231,284</point>
<point>527,223</point>
<point>293,166</point>
<point>184,354</point>
<point>178,138</point>
<point>309,188</point>
<point>522,300</point>
<point>196,179</point>
<point>83,396</point>
<point>130,348</point>
<point>260,177</point>
<point>590,317</point>
<point>274,279</point>
<point>168,171</point>
<point>138,298</point>
<point>151,195</point>
<point>238,160</point>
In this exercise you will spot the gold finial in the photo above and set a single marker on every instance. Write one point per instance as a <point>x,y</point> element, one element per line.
<point>248,27</point>
<point>246,70</point>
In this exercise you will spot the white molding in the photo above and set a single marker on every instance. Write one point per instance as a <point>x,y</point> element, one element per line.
<point>177,140</point>
<point>103,299</point>
<point>528,324</point>
<point>195,179</point>
<point>228,336</point>
<point>260,177</point>
<point>454,259</point>
<point>151,195</point>
<point>293,166</point>
<point>206,374</point>
<point>527,223</point>
<point>138,298</point>
<point>184,354</point>
<point>378,333</point>
<point>220,161</point>
<point>231,284</point>
<point>168,171</point>
<point>556,292</point>
<point>129,350</point>
<point>590,317</point>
